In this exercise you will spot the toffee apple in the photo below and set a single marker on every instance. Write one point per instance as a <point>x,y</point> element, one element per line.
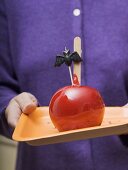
<point>75,106</point>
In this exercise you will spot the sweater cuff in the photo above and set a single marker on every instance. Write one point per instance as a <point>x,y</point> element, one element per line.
<point>5,129</point>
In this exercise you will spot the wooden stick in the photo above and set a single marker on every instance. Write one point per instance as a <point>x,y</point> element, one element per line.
<point>77,66</point>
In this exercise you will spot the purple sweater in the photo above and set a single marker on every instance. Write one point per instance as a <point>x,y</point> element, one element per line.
<point>31,34</point>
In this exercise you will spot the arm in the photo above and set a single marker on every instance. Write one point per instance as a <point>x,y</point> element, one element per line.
<point>8,82</point>
<point>12,103</point>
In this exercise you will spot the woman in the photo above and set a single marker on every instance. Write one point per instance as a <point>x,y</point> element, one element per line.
<point>31,34</point>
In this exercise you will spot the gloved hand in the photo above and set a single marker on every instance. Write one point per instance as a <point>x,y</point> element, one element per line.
<point>24,102</point>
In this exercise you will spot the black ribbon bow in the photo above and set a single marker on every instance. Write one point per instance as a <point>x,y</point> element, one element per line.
<point>67,58</point>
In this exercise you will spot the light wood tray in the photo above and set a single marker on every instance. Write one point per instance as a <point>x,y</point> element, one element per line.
<point>37,128</point>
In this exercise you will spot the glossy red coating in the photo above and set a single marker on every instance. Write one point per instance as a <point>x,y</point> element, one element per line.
<point>75,80</point>
<point>74,107</point>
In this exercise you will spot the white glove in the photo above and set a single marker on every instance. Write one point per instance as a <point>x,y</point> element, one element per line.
<point>24,102</point>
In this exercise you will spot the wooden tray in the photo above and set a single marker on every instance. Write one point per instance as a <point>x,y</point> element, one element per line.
<point>37,128</point>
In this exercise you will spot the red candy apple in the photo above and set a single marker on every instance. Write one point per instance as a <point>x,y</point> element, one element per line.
<point>75,106</point>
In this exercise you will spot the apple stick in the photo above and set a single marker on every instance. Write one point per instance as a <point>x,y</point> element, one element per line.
<point>77,66</point>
